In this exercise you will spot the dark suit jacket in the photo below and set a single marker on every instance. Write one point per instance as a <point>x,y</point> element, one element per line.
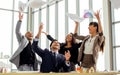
<point>48,62</point>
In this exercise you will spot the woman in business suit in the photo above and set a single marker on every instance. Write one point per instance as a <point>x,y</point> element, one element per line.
<point>52,61</point>
<point>91,45</point>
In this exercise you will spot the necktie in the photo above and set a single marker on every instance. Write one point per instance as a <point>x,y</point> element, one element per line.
<point>55,59</point>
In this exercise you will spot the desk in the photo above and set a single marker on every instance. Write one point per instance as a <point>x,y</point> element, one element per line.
<point>37,73</point>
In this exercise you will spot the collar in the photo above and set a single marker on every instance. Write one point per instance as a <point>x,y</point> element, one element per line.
<point>55,52</point>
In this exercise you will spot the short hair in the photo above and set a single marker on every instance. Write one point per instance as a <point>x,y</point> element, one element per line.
<point>95,24</point>
<point>52,42</point>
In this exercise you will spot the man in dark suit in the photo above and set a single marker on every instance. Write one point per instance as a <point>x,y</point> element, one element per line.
<point>52,61</point>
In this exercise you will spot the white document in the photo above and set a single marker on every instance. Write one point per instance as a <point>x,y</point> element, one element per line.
<point>74,17</point>
<point>36,3</point>
<point>115,3</point>
<point>21,6</point>
<point>88,14</point>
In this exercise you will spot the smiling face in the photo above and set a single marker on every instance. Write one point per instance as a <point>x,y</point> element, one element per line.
<point>92,29</point>
<point>29,35</point>
<point>55,45</point>
<point>69,38</point>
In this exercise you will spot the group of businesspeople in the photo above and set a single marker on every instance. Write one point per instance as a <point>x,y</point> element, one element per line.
<point>61,57</point>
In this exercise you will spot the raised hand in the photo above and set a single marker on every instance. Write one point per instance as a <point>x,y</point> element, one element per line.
<point>45,33</point>
<point>20,16</point>
<point>41,26</point>
<point>76,23</point>
<point>67,55</point>
<point>39,30</point>
<point>97,14</point>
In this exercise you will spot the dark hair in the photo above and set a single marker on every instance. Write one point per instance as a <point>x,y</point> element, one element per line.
<point>95,24</point>
<point>73,40</point>
<point>52,42</point>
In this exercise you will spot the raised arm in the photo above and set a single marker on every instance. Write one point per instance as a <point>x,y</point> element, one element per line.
<point>76,27</point>
<point>79,37</point>
<point>39,31</point>
<point>101,38</point>
<point>18,26</point>
<point>97,15</point>
<point>35,46</point>
<point>49,37</point>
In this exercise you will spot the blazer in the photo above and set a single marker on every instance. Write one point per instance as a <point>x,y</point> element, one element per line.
<point>98,44</point>
<point>23,41</point>
<point>48,64</point>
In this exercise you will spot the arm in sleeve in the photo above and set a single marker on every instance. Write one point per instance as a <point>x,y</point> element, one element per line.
<point>36,48</point>
<point>17,31</point>
<point>50,38</point>
<point>79,37</point>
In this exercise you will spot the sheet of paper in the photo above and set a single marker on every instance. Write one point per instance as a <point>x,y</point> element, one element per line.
<point>88,14</point>
<point>36,3</point>
<point>74,17</point>
<point>21,6</point>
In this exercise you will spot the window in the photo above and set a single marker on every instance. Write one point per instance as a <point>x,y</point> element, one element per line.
<point>117,58</point>
<point>6,4</point>
<point>84,5</point>
<point>52,21</point>
<point>5,39</point>
<point>116,36</point>
<point>116,15</point>
<point>36,23</point>
<point>43,19</point>
<point>61,21</point>
<point>72,10</point>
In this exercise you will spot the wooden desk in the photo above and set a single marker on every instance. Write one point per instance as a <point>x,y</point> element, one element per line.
<point>37,73</point>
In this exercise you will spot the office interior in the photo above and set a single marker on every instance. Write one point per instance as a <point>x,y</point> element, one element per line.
<point>57,24</point>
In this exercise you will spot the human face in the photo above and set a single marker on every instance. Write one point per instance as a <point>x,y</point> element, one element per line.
<point>69,38</point>
<point>92,29</point>
<point>55,45</point>
<point>29,35</point>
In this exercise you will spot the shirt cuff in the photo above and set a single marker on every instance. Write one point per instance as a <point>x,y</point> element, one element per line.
<point>36,39</point>
<point>67,63</point>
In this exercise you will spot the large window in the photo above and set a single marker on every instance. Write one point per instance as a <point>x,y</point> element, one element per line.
<point>71,9</point>
<point>116,15</point>
<point>61,21</point>
<point>117,58</point>
<point>116,36</point>
<point>6,4</point>
<point>52,21</point>
<point>8,39</point>
<point>5,39</point>
<point>84,5</point>
<point>43,19</point>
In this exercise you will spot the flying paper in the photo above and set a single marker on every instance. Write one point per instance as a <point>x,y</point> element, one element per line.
<point>36,3</point>
<point>88,14</point>
<point>21,6</point>
<point>74,17</point>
